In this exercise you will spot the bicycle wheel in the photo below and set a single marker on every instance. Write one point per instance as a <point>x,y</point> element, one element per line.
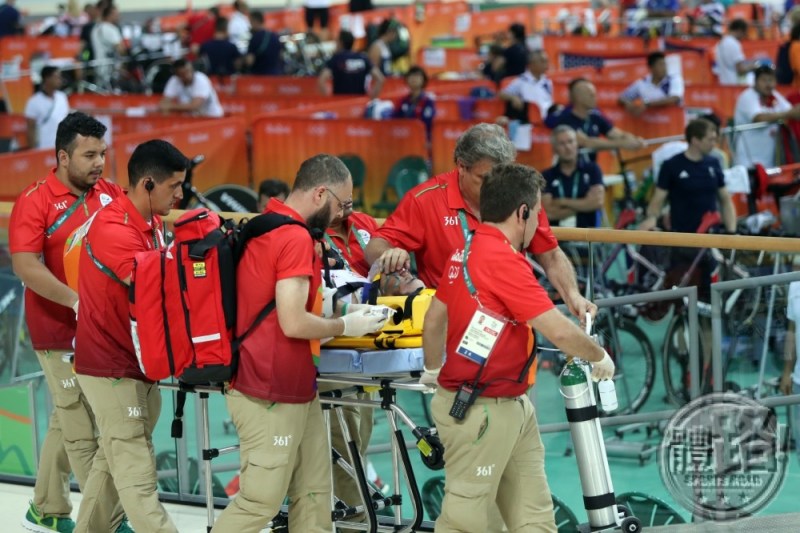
<point>633,355</point>
<point>675,360</point>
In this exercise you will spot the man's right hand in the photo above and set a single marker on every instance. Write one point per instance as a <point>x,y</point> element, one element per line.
<point>362,322</point>
<point>394,260</point>
<point>516,102</point>
<point>647,224</point>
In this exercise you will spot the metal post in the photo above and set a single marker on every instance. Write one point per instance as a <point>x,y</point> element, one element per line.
<point>694,351</point>
<point>767,330</point>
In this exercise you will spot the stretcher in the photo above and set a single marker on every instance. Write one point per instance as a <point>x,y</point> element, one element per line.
<point>351,372</point>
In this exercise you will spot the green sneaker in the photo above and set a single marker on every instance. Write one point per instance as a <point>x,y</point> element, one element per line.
<point>34,521</point>
<point>124,526</point>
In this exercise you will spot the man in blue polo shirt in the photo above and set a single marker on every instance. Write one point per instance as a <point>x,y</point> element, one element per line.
<point>574,193</point>
<point>583,116</point>
<point>350,71</point>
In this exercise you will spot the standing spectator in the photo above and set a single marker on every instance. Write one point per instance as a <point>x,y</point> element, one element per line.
<point>201,28</point>
<point>515,57</point>
<point>574,194</point>
<point>657,89</point>
<point>268,189</point>
<point>239,26</point>
<point>760,103</point>
<point>125,403</point>
<point>46,109</point>
<point>220,54</point>
<point>45,215</point>
<point>417,103</point>
<point>582,115</point>
<point>531,87</point>
<point>273,401</point>
<point>107,44</point>
<point>318,10</point>
<point>694,184</point>
<point>350,71</point>
<point>190,92</point>
<point>10,19</point>
<point>264,51</point>
<point>92,17</point>
<point>732,66</point>
<point>790,378</point>
<point>379,53</point>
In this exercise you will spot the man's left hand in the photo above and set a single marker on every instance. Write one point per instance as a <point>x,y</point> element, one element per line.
<point>579,306</point>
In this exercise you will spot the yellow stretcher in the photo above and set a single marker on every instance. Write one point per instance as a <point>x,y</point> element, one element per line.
<point>403,330</point>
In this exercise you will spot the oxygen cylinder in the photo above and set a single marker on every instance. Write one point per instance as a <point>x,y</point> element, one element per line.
<point>590,450</point>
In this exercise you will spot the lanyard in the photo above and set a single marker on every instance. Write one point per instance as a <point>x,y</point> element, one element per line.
<point>575,179</point>
<point>462,218</point>
<point>467,278</point>
<point>359,239</point>
<point>65,215</point>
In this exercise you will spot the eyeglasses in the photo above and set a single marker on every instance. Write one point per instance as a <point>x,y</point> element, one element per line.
<point>344,206</point>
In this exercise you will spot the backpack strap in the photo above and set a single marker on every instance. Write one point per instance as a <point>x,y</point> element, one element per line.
<point>256,227</point>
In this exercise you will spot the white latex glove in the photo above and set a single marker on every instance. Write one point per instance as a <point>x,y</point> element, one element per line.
<point>603,369</point>
<point>327,302</point>
<point>430,378</point>
<point>362,322</point>
<point>75,308</point>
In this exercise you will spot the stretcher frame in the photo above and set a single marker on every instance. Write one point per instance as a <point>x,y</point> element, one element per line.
<point>372,500</point>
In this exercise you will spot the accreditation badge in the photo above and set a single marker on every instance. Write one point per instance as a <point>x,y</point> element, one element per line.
<point>481,336</point>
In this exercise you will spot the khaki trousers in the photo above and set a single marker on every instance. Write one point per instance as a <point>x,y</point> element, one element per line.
<point>494,454</point>
<point>126,411</point>
<point>359,422</point>
<point>69,445</point>
<point>284,451</point>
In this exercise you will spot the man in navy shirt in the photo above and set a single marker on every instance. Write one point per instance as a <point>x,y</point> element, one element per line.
<point>582,115</point>
<point>349,70</point>
<point>221,55</point>
<point>264,51</point>
<point>574,193</point>
<point>695,185</point>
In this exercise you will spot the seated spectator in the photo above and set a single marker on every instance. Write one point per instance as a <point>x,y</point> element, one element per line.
<point>707,18</point>
<point>190,92</point>
<point>794,55</point>
<point>760,103</point>
<point>272,188</point>
<point>732,66</point>
<point>515,57</point>
<point>417,104</point>
<point>582,115</point>
<point>487,69</point>
<point>531,87</point>
<point>10,19</point>
<point>350,71</point>
<point>220,54</point>
<point>264,51</point>
<point>654,90</point>
<point>574,194</point>
<point>379,53</point>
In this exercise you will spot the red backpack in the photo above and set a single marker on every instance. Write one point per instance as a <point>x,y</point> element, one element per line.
<point>183,299</point>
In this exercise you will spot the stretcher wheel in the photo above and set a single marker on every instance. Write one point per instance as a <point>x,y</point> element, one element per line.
<point>631,525</point>
<point>435,460</point>
<point>626,512</point>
